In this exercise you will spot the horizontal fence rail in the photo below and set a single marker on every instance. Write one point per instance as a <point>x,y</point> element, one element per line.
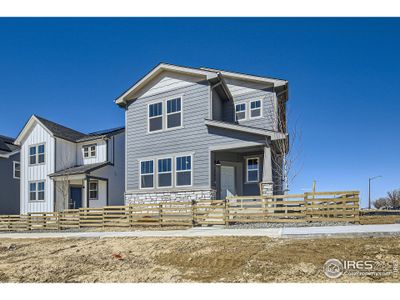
<point>308,207</point>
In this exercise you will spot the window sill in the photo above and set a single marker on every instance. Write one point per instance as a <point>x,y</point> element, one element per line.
<point>165,130</point>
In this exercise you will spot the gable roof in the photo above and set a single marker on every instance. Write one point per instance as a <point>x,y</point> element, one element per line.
<point>65,133</point>
<point>7,146</point>
<point>209,74</point>
<point>61,131</point>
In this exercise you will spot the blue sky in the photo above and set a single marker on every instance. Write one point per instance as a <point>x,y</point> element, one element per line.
<point>343,78</point>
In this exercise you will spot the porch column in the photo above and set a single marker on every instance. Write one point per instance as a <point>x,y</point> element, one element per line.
<point>267,184</point>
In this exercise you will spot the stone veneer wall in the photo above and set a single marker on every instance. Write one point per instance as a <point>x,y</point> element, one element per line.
<point>156,197</point>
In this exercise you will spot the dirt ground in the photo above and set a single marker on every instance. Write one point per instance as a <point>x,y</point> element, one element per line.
<point>217,259</point>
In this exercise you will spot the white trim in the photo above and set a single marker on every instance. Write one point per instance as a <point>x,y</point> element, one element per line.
<point>191,171</point>
<point>158,116</point>
<point>155,160</point>
<point>28,125</point>
<point>258,169</point>
<point>164,114</point>
<point>274,135</point>
<point>156,71</point>
<point>140,175</point>
<point>166,155</point>
<point>273,81</point>
<point>14,163</point>
<point>36,190</point>
<point>37,154</point>
<point>7,155</point>
<point>167,114</point>
<point>89,151</point>
<point>245,111</point>
<point>96,190</point>
<point>170,172</point>
<point>260,108</point>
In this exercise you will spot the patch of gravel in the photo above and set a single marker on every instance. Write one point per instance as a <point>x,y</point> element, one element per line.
<point>281,225</point>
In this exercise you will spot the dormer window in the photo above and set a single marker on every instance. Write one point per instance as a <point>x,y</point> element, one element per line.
<point>255,109</point>
<point>240,111</point>
<point>89,151</point>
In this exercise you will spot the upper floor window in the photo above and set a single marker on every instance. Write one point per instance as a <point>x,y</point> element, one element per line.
<point>93,190</point>
<point>147,174</point>
<point>164,172</point>
<point>253,169</point>
<point>240,111</point>
<point>89,151</point>
<point>184,171</point>
<point>16,170</point>
<point>255,109</point>
<point>36,191</point>
<point>155,117</point>
<point>165,115</point>
<point>174,113</point>
<point>36,154</point>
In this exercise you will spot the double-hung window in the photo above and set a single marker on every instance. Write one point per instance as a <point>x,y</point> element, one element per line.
<point>89,151</point>
<point>16,170</point>
<point>147,174</point>
<point>155,116</point>
<point>164,172</point>
<point>253,169</point>
<point>93,190</point>
<point>174,113</point>
<point>240,111</point>
<point>255,109</point>
<point>183,171</point>
<point>36,191</point>
<point>36,154</point>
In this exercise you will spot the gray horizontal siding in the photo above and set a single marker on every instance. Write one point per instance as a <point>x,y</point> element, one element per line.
<point>194,137</point>
<point>266,122</point>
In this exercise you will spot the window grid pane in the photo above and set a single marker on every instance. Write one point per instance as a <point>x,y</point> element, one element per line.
<point>183,163</point>
<point>255,104</point>
<point>155,109</point>
<point>147,167</point>
<point>174,105</point>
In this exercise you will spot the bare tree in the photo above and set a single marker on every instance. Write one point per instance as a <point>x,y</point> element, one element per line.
<point>391,201</point>
<point>285,153</point>
<point>62,184</point>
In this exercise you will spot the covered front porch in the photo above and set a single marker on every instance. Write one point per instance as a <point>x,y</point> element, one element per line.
<point>79,189</point>
<point>242,171</point>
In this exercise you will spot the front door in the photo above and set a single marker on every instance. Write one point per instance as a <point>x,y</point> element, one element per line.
<point>76,197</point>
<point>228,186</point>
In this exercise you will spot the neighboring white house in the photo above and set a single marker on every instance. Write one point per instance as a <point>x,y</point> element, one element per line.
<point>62,168</point>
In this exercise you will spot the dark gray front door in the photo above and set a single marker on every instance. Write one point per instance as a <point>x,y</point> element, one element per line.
<point>76,197</point>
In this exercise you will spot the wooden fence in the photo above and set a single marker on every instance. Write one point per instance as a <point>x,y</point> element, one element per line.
<point>308,207</point>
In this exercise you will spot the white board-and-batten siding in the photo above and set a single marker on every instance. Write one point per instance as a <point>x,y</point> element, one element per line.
<point>101,152</point>
<point>38,135</point>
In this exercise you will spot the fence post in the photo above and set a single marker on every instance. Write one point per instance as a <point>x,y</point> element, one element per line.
<point>307,218</point>
<point>160,213</point>
<point>193,212</point>
<point>226,212</point>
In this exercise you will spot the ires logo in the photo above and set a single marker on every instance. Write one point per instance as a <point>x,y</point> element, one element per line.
<point>334,268</point>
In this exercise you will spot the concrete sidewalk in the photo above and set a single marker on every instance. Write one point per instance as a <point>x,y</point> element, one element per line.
<point>287,232</point>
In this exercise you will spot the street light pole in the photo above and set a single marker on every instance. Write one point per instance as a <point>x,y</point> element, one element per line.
<point>369,189</point>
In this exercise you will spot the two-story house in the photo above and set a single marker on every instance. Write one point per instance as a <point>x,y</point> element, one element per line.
<point>200,133</point>
<point>63,168</point>
<point>9,176</point>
